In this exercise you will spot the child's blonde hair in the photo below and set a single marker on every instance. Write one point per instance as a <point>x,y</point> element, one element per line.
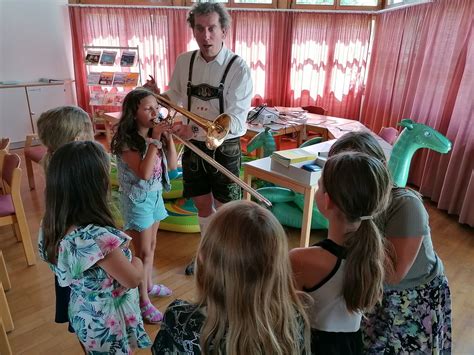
<point>62,125</point>
<point>245,285</point>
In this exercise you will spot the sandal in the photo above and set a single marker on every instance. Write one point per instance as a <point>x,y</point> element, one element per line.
<point>159,290</point>
<point>150,313</point>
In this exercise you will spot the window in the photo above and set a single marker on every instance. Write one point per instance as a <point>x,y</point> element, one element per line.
<point>241,3</point>
<point>358,3</point>
<point>315,2</point>
<point>392,3</point>
<point>338,4</point>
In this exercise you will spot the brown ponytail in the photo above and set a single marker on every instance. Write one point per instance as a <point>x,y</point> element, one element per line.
<point>359,185</point>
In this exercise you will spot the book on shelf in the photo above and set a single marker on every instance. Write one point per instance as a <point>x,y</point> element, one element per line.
<point>93,78</point>
<point>128,58</point>
<point>92,57</point>
<point>113,99</point>
<point>119,79</point>
<point>106,78</point>
<point>96,97</point>
<point>131,79</point>
<point>108,57</point>
<point>292,156</point>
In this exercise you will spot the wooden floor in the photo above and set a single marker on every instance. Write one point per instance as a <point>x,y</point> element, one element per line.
<point>31,297</point>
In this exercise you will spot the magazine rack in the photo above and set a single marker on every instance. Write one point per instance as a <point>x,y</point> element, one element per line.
<point>111,73</point>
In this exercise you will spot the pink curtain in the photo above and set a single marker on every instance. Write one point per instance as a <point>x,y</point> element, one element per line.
<point>422,68</point>
<point>328,61</point>
<point>152,30</point>
<point>300,59</point>
<point>295,58</point>
<point>263,39</point>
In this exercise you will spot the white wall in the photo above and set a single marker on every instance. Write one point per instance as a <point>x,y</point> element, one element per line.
<point>35,40</point>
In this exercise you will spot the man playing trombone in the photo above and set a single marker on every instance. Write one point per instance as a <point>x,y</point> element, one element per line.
<point>209,82</point>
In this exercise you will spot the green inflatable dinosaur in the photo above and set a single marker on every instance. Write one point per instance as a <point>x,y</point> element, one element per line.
<point>288,205</point>
<point>413,137</point>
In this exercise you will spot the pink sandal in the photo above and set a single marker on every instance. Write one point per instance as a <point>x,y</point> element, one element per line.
<point>150,313</point>
<point>159,290</point>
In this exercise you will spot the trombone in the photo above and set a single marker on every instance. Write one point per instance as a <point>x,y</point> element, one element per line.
<point>217,131</point>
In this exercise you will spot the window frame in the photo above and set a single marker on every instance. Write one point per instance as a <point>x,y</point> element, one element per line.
<point>231,4</point>
<point>276,4</point>
<point>336,6</point>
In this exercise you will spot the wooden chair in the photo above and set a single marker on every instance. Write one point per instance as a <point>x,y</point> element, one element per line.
<point>11,205</point>
<point>318,111</point>
<point>314,109</point>
<point>33,153</point>
<point>4,143</point>
<point>4,146</point>
<point>4,308</point>
<point>5,348</point>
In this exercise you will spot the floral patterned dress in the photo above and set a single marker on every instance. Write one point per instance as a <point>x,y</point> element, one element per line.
<point>104,314</point>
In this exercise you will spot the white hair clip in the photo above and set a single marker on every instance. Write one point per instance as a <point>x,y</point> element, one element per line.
<point>364,218</point>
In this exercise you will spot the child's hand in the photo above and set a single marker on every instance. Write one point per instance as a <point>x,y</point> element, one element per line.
<point>168,135</point>
<point>159,128</point>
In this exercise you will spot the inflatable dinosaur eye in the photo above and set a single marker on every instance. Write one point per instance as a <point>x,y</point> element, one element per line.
<point>427,134</point>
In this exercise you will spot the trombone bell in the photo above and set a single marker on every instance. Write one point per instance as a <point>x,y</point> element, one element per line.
<point>217,131</point>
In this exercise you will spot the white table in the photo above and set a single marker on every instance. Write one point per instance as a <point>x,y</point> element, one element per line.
<point>261,169</point>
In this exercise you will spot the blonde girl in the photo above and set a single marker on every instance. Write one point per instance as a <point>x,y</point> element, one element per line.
<point>56,127</point>
<point>246,301</point>
<point>344,274</point>
<point>145,151</point>
<point>62,125</point>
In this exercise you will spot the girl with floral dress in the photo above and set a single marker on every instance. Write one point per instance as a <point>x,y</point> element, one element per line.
<point>88,254</point>
<point>145,150</point>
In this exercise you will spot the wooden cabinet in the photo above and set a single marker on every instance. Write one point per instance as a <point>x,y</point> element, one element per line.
<point>22,105</point>
<point>15,121</point>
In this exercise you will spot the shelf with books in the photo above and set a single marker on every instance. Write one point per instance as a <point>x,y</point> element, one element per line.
<point>111,73</point>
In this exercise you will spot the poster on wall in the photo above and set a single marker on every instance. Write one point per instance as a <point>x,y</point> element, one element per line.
<point>127,59</point>
<point>108,57</point>
<point>92,57</point>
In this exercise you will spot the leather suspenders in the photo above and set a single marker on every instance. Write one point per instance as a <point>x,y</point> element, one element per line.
<point>207,92</point>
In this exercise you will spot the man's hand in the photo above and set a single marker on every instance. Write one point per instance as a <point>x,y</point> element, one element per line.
<point>151,85</point>
<point>183,131</point>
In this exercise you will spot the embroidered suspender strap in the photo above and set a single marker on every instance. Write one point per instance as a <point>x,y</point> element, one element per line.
<point>190,78</point>
<point>221,85</point>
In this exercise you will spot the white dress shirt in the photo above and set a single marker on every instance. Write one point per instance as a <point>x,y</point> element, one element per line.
<point>237,89</point>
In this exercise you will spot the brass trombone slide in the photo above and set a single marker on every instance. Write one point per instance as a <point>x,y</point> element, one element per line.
<point>217,131</point>
<point>226,172</point>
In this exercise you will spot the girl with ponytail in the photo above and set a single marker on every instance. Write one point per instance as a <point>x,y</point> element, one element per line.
<point>415,313</point>
<point>344,274</point>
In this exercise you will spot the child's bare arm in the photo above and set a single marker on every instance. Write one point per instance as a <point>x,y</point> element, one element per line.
<point>128,274</point>
<point>297,268</point>
<point>143,168</point>
<point>171,155</point>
